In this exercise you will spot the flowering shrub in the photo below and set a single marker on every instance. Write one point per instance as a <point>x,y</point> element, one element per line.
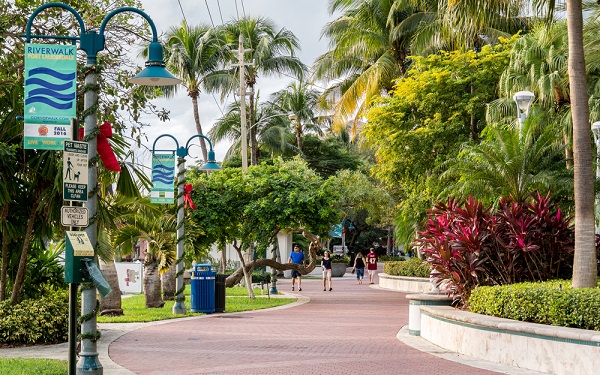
<point>468,245</point>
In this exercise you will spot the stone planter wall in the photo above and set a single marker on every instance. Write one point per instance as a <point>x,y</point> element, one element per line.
<point>538,347</point>
<point>405,283</point>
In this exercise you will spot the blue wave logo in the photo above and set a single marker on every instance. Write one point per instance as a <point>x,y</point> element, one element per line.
<point>51,92</point>
<point>164,174</point>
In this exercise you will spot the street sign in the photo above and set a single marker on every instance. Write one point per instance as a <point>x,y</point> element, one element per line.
<point>75,171</point>
<point>74,216</point>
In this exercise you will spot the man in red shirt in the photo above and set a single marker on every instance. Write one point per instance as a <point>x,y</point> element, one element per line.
<point>372,265</point>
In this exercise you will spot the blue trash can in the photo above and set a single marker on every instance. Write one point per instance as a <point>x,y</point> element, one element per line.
<point>203,289</point>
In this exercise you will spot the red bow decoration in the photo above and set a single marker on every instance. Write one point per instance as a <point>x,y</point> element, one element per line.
<point>187,198</point>
<point>104,150</point>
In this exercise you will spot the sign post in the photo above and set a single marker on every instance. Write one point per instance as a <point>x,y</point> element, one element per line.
<point>75,171</point>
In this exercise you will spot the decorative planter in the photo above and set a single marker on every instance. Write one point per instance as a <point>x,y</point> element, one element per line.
<point>338,269</point>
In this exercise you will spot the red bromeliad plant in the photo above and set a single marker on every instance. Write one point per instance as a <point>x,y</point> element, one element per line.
<point>467,245</point>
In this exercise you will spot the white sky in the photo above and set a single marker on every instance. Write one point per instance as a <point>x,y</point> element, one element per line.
<point>305,18</point>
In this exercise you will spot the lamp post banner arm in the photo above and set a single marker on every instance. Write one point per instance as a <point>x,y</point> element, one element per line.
<point>51,5</point>
<point>164,135</point>
<point>129,9</point>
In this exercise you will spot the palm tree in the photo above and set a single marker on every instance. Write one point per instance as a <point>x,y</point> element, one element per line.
<point>300,102</point>
<point>271,52</point>
<point>585,262</point>
<point>272,130</point>
<point>195,55</point>
<point>160,233</point>
<point>510,163</point>
<point>369,50</point>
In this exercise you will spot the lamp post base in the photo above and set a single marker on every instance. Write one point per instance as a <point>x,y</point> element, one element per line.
<point>89,364</point>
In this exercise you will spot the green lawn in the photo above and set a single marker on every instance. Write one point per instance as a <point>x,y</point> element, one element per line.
<point>32,366</point>
<point>237,300</point>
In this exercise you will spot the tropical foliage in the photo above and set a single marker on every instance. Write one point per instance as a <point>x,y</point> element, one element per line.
<point>469,245</point>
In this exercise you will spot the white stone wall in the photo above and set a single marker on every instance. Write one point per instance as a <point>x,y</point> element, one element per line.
<point>531,346</point>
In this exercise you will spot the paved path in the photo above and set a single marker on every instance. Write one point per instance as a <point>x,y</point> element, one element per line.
<point>350,330</point>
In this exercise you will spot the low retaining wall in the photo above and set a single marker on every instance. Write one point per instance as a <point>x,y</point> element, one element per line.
<point>404,283</point>
<point>538,347</point>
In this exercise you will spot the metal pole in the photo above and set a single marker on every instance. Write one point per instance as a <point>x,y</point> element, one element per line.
<point>179,306</point>
<point>72,327</point>
<point>88,357</point>
<point>243,105</point>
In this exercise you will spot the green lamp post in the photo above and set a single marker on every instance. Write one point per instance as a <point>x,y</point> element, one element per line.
<point>155,74</point>
<point>182,152</point>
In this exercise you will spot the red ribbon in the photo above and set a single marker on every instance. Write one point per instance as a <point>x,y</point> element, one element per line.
<point>104,149</point>
<point>187,198</point>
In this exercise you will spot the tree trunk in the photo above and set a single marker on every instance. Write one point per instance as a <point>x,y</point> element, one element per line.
<point>20,278</point>
<point>4,270</point>
<point>584,264</point>
<point>168,283</point>
<point>223,259</point>
<point>199,127</point>
<point>111,304</point>
<point>152,284</point>
<point>246,272</point>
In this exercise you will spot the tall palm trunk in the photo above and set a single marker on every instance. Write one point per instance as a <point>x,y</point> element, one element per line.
<point>152,284</point>
<point>4,271</point>
<point>198,125</point>
<point>111,304</point>
<point>168,283</point>
<point>584,264</point>
<point>20,278</point>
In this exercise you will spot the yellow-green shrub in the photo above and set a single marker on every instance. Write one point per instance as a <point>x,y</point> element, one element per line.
<point>35,321</point>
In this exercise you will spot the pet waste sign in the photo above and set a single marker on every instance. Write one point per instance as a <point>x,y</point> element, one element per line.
<point>75,171</point>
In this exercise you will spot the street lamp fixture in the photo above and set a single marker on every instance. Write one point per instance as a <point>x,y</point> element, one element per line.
<point>92,42</point>
<point>524,100</point>
<point>182,152</point>
<point>596,132</point>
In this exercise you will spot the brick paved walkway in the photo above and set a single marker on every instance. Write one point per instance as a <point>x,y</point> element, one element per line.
<point>350,330</point>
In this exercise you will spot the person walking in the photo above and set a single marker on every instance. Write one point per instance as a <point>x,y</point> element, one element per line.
<point>297,257</point>
<point>326,265</point>
<point>372,265</point>
<point>359,267</point>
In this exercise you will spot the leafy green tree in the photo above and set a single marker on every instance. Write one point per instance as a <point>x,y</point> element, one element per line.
<point>328,155</point>
<point>251,208</point>
<point>425,122</point>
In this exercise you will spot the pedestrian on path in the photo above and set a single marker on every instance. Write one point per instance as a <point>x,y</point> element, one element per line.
<point>326,265</point>
<point>297,257</point>
<point>372,265</point>
<point>359,267</point>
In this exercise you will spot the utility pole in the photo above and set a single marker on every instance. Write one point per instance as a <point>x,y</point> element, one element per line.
<point>243,105</point>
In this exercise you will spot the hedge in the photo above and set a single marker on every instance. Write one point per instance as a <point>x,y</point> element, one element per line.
<point>552,302</point>
<point>413,267</point>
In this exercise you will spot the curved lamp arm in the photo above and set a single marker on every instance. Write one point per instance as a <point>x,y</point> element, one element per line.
<point>50,5</point>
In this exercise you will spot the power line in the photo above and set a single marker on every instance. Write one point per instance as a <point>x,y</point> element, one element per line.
<point>220,13</point>
<point>209,14</point>
<point>182,12</point>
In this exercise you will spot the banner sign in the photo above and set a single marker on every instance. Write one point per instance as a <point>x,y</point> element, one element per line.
<point>163,178</point>
<point>50,86</point>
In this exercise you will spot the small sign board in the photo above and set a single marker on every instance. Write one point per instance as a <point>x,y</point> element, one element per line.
<point>75,171</point>
<point>338,249</point>
<point>80,243</point>
<point>74,216</point>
